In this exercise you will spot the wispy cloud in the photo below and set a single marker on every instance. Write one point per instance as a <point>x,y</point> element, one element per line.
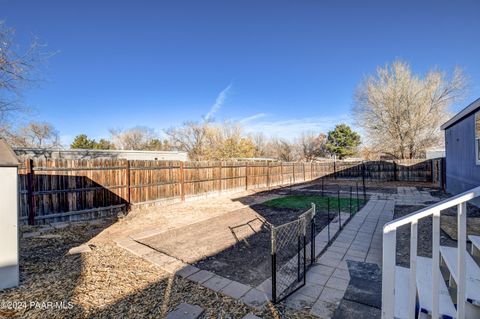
<point>292,128</point>
<point>219,101</point>
<point>252,118</point>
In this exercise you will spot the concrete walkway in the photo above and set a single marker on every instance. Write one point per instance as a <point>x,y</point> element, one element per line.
<point>360,240</point>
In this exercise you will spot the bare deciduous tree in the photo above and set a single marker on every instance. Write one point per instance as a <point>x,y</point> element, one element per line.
<point>190,137</point>
<point>136,138</point>
<point>312,146</point>
<point>210,141</point>
<point>36,134</point>
<point>283,150</point>
<point>401,112</point>
<point>17,70</point>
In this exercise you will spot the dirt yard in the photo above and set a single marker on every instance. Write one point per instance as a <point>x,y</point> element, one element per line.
<point>249,260</point>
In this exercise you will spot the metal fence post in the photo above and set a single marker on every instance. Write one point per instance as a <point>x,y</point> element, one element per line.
<point>274,265</point>
<point>358,199</point>
<point>299,248</point>
<point>312,238</point>
<point>339,213</point>
<point>328,218</point>
<point>363,179</point>
<point>350,201</point>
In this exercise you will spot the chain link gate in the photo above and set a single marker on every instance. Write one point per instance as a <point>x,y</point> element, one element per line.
<point>293,249</point>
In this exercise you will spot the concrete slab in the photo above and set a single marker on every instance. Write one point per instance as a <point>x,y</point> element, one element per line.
<point>331,295</point>
<point>255,298</point>
<point>186,311</point>
<point>299,301</point>
<point>323,309</point>
<point>187,270</point>
<point>201,276</point>
<point>217,283</point>
<point>235,290</point>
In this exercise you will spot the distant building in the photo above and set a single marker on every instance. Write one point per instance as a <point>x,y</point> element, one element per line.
<point>462,148</point>
<point>435,153</point>
<point>75,154</point>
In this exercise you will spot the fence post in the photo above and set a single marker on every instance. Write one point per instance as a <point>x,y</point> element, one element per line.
<point>328,218</point>
<point>219,178</point>
<point>334,168</point>
<point>127,180</point>
<point>30,198</point>
<point>358,199</point>
<point>395,177</point>
<point>246,175</point>
<point>311,171</point>
<point>182,182</point>
<point>431,171</point>
<point>350,201</point>
<point>363,180</point>
<point>293,170</point>
<point>274,265</point>
<point>304,174</point>
<point>281,172</point>
<point>339,211</point>
<point>268,175</point>
<point>312,235</point>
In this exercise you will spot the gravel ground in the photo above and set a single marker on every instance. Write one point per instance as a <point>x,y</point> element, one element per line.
<point>107,282</point>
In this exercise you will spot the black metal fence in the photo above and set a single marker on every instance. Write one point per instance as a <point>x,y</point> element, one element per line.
<point>289,255</point>
<point>293,244</point>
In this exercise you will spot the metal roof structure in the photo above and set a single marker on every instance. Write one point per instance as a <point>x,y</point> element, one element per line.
<point>7,155</point>
<point>475,105</point>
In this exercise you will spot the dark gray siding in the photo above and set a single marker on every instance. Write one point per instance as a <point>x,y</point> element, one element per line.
<point>462,171</point>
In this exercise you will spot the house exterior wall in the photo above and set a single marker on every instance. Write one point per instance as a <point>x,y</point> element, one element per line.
<point>462,171</point>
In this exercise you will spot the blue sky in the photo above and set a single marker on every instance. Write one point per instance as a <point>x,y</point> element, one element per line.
<point>279,67</point>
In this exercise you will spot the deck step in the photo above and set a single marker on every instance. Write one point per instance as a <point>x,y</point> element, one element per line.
<point>401,292</point>
<point>475,241</point>
<point>424,289</point>
<point>449,256</point>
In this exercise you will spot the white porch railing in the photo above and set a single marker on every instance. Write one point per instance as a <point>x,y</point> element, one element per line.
<point>389,255</point>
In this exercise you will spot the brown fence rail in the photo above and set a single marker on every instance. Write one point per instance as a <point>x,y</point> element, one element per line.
<point>64,190</point>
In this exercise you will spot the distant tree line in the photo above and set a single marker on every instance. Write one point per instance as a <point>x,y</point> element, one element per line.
<point>208,140</point>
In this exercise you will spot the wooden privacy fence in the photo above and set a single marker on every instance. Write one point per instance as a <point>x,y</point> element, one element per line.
<point>67,190</point>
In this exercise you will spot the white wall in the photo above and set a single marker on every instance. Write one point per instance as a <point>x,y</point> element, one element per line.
<point>8,227</point>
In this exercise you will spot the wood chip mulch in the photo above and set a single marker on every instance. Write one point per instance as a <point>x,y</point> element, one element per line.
<point>107,282</point>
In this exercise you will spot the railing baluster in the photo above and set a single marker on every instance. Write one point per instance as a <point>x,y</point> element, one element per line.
<point>435,263</point>
<point>412,294</point>
<point>462,247</point>
<point>389,255</point>
<point>388,273</point>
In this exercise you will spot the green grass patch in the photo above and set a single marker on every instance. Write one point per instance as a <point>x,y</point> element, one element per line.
<point>305,202</point>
